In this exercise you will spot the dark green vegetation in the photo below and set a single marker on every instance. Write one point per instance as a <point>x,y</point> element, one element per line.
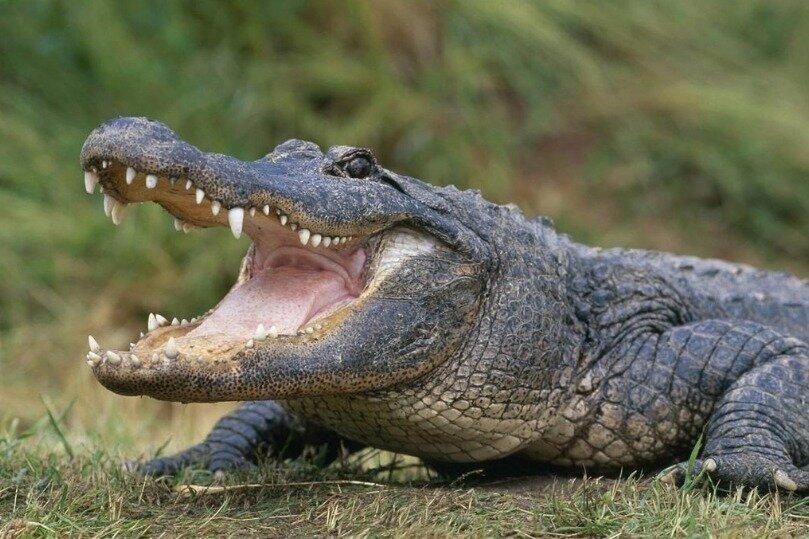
<point>670,125</point>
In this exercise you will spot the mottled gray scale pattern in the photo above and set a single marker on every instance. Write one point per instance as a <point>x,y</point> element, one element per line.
<point>506,338</point>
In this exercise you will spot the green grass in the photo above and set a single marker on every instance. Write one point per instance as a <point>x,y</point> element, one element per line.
<point>680,126</point>
<point>44,493</point>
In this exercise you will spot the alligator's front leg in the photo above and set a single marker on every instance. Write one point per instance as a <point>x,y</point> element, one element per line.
<point>748,383</point>
<point>759,433</point>
<point>252,430</point>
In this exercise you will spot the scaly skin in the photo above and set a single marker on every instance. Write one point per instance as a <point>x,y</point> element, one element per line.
<point>501,339</point>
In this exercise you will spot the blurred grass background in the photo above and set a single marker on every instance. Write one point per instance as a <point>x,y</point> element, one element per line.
<point>681,126</point>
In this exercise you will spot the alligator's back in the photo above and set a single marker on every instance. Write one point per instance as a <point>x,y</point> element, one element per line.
<point>728,290</point>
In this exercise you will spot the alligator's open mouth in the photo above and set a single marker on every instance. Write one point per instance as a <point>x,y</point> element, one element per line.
<point>296,282</point>
<point>357,277</point>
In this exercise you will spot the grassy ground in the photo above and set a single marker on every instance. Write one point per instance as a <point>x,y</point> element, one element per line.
<point>46,492</point>
<point>680,126</point>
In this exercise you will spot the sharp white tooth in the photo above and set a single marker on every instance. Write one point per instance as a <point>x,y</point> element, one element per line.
<point>200,196</point>
<point>151,181</point>
<point>273,332</point>
<point>117,212</point>
<point>260,333</point>
<point>183,322</point>
<point>92,356</point>
<point>293,226</point>
<point>175,322</point>
<point>130,175</point>
<point>252,212</point>
<point>108,202</point>
<point>266,209</point>
<point>172,180</point>
<point>113,358</point>
<point>318,326</point>
<point>131,346</point>
<point>151,324</point>
<point>101,189</point>
<point>188,185</point>
<point>93,343</point>
<point>187,227</point>
<point>90,181</point>
<point>278,211</point>
<point>249,343</point>
<point>161,320</point>
<point>103,164</point>
<point>236,219</point>
<point>171,349</point>
<point>310,330</point>
<point>326,241</point>
<point>283,218</point>
<point>193,319</point>
<point>316,239</point>
<point>178,225</point>
<point>303,235</point>
<point>135,360</point>
<point>215,207</point>
<point>141,335</point>
<point>343,239</point>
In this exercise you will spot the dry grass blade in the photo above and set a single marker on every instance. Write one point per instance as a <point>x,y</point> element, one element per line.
<point>196,490</point>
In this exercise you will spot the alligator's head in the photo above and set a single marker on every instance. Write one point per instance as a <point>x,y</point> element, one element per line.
<point>357,278</point>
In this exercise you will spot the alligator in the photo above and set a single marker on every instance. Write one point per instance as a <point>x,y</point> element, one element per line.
<point>375,310</point>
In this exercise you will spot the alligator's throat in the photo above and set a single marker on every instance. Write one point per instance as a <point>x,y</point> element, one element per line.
<point>285,288</point>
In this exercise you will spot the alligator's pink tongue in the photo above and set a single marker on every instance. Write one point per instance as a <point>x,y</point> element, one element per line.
<point>284,297</point>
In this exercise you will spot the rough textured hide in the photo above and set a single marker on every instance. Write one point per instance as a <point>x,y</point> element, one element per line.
<point>480,334</point>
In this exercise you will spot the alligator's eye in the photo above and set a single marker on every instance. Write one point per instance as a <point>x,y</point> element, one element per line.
<point>358,167</point>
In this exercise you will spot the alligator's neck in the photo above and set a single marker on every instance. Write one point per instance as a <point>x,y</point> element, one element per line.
<point>504,385</point>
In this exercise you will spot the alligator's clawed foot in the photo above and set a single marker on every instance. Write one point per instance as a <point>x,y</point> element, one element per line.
<point>748,470</point>
<point>204,456</point>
